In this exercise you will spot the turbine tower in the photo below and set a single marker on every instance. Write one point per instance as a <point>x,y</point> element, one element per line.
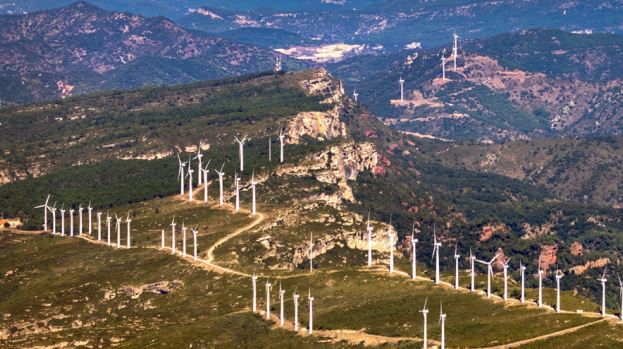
<point>241,150</point>
<point>199,167</point>
<point>282,293</point>
<point>369,229</point>
<point>80,209</point>
<point>522,270</point>
<point>237,186</point>
<point>254,284</point>
<point>162,240</point>
<point>270,149</point>
<point>62,210</point>
<point>268,299</point>
<point>505,265</point>
<point>281,139</point>
<point>414,242</point>
<point>311,253</point>
<point>45,212</point>
<point>220,184</point>
<point>390,237</point>
<point>108,219</point>
<point>489,272</point>
<point>436,246</point>
<point>205,172</point>
<point>90,209</point>
<point>540,300</point>
<point>54,219</point>
<point>442,325</point>
<point>99,226</point>
<point>424,312</point>
<point>559,275</point>
<point>621,297</point>
<point>456,267</point>
<point>603,293</point>
<point>173,235</point>
<point>472,260</point>
<point>190,181</point>
<point>355,95</point>
<point>195,231</point>
<point>455,48</point>
<point>443,65</point>
<point>118,230</point>
<point>311,312</point>
<point>128,221</point>
<point>180,173</point>
<point>71,221</point>
<point>402,90</point>
<point>184,228</point>
<point>296,311</point>
<point>253,207</point>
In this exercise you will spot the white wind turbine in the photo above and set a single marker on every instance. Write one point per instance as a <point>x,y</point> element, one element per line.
<point>184,228</point>
<point>199,167</point>
<point>402,85</point>
<point>173,235</point>
<point>270,148</point>
<point>45,212</point>
<point>220,184</point>
<point>442,325</point>
<point>190,181</point>
<point>414,242</point>
<point>237,189</point>
<point>455,48</point>
<point>621,297</point>
<point>254,285</point>
<point>424,312</point>
<point>436,246</point>
<point>282,293</point>
<point>268,285</point>
<point>195,232</point>
<point>472,262</point>
<point>99,226</point>
<point>281,140</point>
<point>603,281</point>
<point>180,173</point>
<point>253,207</point>
<point>71,221</point>
<point>118,230</point>
<point>489,272</point>
<point>53,209</point>
<point>128,221</point>
<point>62,210</point>
<point>540,274</point>
<point>390,237</point>
<point>355,95</point>
<point>310,253</point>
<point>522,270</point>
<point>296,311</point>
<point>559,274</point>
<point>505,265</point>
<point>456,267</point>
<point>241,150</point>
<point>90,209</point>
<point>443,65</point>
<point>80,209</point>
<point>310,298</point>
<point>162,240</point>
<point>205,172</point>
<point>369,229</point>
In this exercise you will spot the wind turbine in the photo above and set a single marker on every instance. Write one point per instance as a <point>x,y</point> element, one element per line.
<point>402,84</point>
<point>540,300</point>
<point>311,312</point>
<point>180,173</point>
<point>162,240</point>
<point>99,226</point>
<point>118,229</point>
<point>282,293</point>
<point>184,228</point>
<point>296,311</point>
<point>355,95</point>
<point>220,184</point>
<point>62,210</point>
<point>237,188</point>
<point>489,272</point>
<point>414,242</point>
<point>45,212</point>
<point>270,149</point>
<point>53,209</point>
<point>173,235</point>
<point>71,221</point>
<point>603,293</point>
<point>442,325</point>
<point>241,150</point>
<point>199,167</point>
<point>253,193</point>
<point>195,231</point>
<point>472,260</point>
<point>254,284</point>
<point>205,172</point>
<point>190,181</point>
<point>559,275</point>
<point>522,270</point>
<point>621,296</point>
<point>90,209</point>
<point>424,312</point>
<point>436,246</point>
<point>456,267</point>
<point>455,48</point>
<point>443,65</point>
<point>505,265</point>
<point>80,208</point>
<point>128,221</point>
<point>369,229</point>
<point>268,299</point>
<point>310,253</point>
<point>390,237</point>
<point>281,139</point>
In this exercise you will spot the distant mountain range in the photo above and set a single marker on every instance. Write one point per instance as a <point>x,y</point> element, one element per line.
<point>82,48</point>
<point>520,85</point>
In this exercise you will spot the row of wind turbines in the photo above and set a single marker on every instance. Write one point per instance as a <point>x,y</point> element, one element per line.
<point>489,264</point>
<point>71,214</point>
